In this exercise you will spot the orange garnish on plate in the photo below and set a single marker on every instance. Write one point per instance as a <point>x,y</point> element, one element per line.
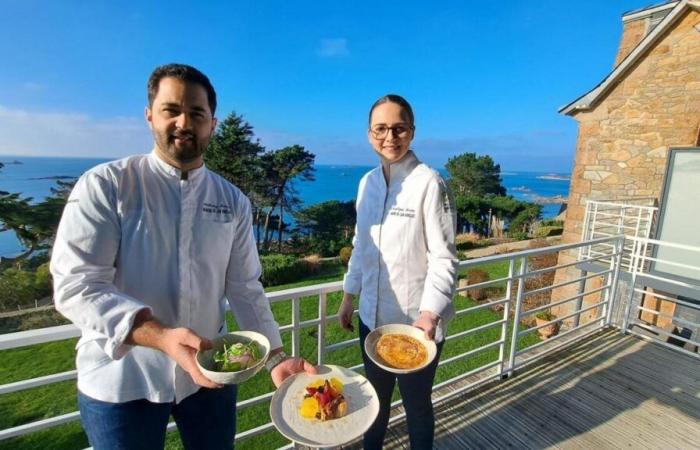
<point>324,400</point>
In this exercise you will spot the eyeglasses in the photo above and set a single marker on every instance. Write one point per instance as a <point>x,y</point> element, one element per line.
<point>382,131</point>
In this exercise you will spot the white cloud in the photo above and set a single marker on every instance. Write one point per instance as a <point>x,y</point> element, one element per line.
<point>38,133</point>
<point>332,48</point>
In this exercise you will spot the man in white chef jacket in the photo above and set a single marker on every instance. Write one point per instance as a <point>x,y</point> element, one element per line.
<point>147,249</point>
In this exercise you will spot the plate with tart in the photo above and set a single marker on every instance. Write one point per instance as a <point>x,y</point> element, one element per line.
<point>400,348</point>
<point>328,409</point>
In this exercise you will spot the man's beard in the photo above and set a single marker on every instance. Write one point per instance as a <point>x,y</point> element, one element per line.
<point>186,152</point>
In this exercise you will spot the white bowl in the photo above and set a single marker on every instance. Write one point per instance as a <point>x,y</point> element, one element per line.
<point>205,359</point>
<point>396,328</point>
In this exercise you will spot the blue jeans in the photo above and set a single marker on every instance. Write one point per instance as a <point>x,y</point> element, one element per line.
<point>415,391</point>
<point>205,420</point>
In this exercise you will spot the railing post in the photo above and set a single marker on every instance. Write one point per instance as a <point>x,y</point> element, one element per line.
<point>584,232</point>
<point>322,305</point>
<point>516,315</point>
<point>296,335</point>
<point>633,281</point>
<point>614,276</point>
<point>506,313</point>
<point>580,289</point>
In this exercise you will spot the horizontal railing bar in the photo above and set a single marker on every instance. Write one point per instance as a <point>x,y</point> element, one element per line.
<point>533,252</point>
<point>471,309</point>
<point>561,302</point>
<point>254,400</point>
<point>562,318</point>
<point>31,427</point>
<point>305,291</point>
<point>38,381</point>
<point>566,283</point>
<point>470,352</point>
<point>464,375</point>
<point>557,338</point>
<point>666,297</point>
<point>675,348</point>
<point>475,330</point>
<point>643,275</point>
<point>482,284</point>
<point>342,344</point>
<point>39,336</point>
<point>674,320</point>
<point>661,331</point>
<point>563,266</point>
<point>645,258</point>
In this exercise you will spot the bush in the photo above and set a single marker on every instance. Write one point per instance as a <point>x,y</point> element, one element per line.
<point>476,276</point>
<point>519,235</point>
<point>543,232</point>
<point>280,269</point>
<point>467,241</point>
<point>345,254</point>
<point>21,287</point>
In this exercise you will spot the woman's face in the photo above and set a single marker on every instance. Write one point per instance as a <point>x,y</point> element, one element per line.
<point>389,132</point>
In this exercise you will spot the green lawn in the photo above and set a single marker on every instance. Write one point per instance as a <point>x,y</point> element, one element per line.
<point>39,403</point>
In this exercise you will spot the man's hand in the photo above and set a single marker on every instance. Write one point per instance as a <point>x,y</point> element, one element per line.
<point>345,311</point>
<point>290,366</point>
<point>427,321</point>
<point>180,344</point>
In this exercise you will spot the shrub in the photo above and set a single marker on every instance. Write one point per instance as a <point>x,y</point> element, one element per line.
<point>280,269</point>
<point>476,276</point>
<point>519,235</point>
<point>345,254</point>
<point>20,287</point>
<point>466,241</point>
<point>545,315</point>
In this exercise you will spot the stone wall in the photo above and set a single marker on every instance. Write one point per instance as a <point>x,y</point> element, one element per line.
<point>623,141</point>
<point>632,33</point>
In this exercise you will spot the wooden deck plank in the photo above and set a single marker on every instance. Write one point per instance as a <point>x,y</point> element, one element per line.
<point>610,391</point>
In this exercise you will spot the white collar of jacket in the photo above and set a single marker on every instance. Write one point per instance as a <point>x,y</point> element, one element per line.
<point>399,170</point>
<point>173,172</point>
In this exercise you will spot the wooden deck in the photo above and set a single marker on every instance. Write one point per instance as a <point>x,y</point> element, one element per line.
<point>610,391</point>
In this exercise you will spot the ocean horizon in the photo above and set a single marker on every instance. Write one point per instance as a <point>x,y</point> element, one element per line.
<point>35,176</point>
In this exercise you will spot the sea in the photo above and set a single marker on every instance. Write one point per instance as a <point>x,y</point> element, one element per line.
<point>35,176</point>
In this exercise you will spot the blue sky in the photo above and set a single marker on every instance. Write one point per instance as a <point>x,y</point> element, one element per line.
<point>485,77</point>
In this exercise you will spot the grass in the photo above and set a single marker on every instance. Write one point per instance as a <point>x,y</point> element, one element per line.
<point>48,401</point>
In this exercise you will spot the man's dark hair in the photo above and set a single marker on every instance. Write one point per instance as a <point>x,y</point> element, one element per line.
<point>183,72</point>
<point>406,109</point>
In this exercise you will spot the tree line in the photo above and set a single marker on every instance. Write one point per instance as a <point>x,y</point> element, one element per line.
<point>268,178</point>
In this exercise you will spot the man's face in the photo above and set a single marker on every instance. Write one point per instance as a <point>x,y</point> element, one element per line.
<point>181,122</point>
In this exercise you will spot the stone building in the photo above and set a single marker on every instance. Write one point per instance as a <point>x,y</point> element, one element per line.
<point>648,106</point>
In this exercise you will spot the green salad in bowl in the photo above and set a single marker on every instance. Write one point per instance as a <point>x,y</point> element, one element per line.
<point>234,357</point>
<point>237,356</point>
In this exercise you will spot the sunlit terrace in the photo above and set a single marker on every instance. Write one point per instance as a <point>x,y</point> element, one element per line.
<point>620,372</point>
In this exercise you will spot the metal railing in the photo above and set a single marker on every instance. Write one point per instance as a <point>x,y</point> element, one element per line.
<point>659,279</point>
<point>511,293</point>
<point>634,218</point>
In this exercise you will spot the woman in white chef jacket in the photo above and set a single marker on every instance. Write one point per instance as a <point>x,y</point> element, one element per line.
<point>403,262</point>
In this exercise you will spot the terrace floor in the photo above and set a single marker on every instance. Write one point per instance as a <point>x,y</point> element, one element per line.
<point>609,391</point>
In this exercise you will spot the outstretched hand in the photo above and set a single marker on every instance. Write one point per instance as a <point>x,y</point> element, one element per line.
<point>427,321</point>
<point>290,366</point>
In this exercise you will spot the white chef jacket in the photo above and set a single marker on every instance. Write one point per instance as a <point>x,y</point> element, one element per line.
<point>404,257</point>
<point>135,236</point>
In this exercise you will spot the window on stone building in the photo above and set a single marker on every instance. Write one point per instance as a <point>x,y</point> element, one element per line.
<point>679,217</point>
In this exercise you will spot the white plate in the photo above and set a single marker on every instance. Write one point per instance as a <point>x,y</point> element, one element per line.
<point>363,407</point>
<point>397,328</point>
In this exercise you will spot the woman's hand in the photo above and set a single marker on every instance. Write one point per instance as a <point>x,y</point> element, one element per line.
<point>345,312</point>
<point>427,321</point>
<point>290,366</point>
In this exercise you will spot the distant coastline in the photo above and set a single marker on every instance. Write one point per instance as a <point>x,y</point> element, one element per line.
<point>554,176</point>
